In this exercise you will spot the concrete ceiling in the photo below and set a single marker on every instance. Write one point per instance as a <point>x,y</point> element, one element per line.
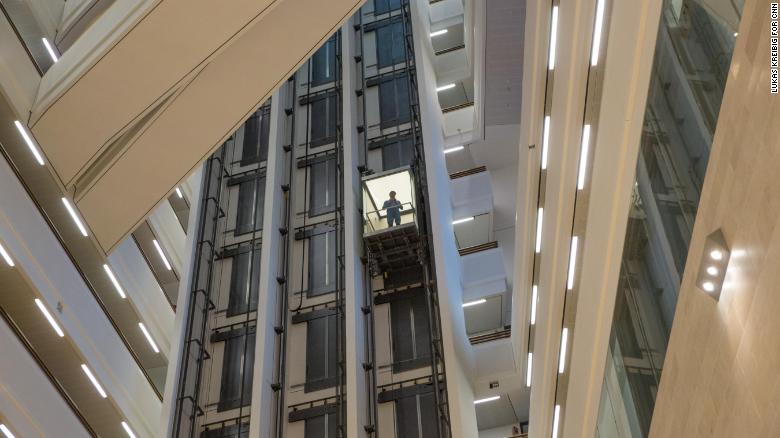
<point>504,61</point>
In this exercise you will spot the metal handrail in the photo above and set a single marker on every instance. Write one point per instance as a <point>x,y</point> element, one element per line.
<point>378,214</point>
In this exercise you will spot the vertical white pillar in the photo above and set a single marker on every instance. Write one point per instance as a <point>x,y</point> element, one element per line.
<point>353,242</point>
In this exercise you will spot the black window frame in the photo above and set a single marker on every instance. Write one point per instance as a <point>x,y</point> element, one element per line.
<point>386,6</point>
<point>422,408</point>
<point>231,391</point>
<point>330,255</point>
<point>256,135</point>
<point>409,321</point>
<point>244,223</point>
<point>245,268</point>
<point>323,131</point>
<point>324,60</point>
<point>322,349</point>
<point>396,89</point>
<point>316,185</point>
<point>390,44</point>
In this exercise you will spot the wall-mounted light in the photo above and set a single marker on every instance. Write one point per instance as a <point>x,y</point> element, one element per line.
<point>528,369</point>
<point>714,261</point>
<point>534,298</point>
<point>148,337</point>
<point>49,317</point>
<point>6,431</point>
<point>179,193</point>
<point>539,223</point>
<point>30,143</point>
<point>94,381</point>
<point>545,141</point>
<point>6,256</point>
<point>572,262</point>
<point>553,38</point>
<point>453,149</point>
<point>583,157</point>
<point>438,32</point>
<point>75,217</point>
<point>50,49</point>
<point>594,53</point>
<point>460,221</point>
<point>475,302</point>
<point>445,87</point>
<point>127,429</point>
<point>556,419</point>
<point>562,357</point>
<point>114,281</point>
<point>487,399</point>
<point>162,254</point>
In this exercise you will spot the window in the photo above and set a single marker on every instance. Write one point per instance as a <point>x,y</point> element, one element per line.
<point>323,63</point>
<point>394,101</point>
<point>323,119</point>
<point>397,154</point>
<point>251,197</point>
<point>416,416</point>
<point>255,147</point>
<point>390,45</point>
<point>236,384</point>
<point>321,353</point>
<point>411,337</point>
<point>243,290</point>
<point>323,426</point>
<point>322,263</point>
<point>322,187</point>
<point>383,6</point>
<point>231,431</point>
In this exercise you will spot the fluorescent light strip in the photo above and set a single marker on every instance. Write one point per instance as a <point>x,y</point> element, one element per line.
<point>594,53</point>
<point>488,399</point>
<point>453,149</point>
<point>75,217</point>
<point>178,193</point>
<point>94,381</point>
<point>30,144</point>
<point>49,318</point>
<point>475,302</point>
<point>545,141</point>
<point>6,432</point>
<point>534,298</point>
<point>445,87</point>
<point>148,337</point>
<point>572,262</point>
<point>553,38</point>
<point>6,256</point>
<point>539,222</point>
<point>556,418</point>
<point>50,49</point>
<point>127,429</point>
<point>528,369</point>
<point>562,358</point>
<point>438,32</point>
<point>162,254</point>
<point>460,221</point>
<point>583,157</point>
<point>114,281</point>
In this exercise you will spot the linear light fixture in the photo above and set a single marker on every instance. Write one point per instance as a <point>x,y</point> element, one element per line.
<point>113,279</point>
<point>75,217</point>
<point>534,298</point>
<point>445,87</point>
<point>127,429</point>
<point>453,149</point>
<point>475,302</point>
<point>30,143</point>
<point>6,432</point>
<point>49,318</point>
<point>553,38</point>
<point>556,419</point>
<point>572,262</point>
<point>460,221</point>
<point>528,369</point>
<point>438,32</point>
<point>594,53</point>
<point>6,256</point>
<point>94,381</point>
<point>562,358</point>
<point>545,141</point>
<point>539,222</point>
<point>583,157</point>
<point>148,337</point>
<point>50,49</point>
<point>487,399</point>
<point>179,193</point>
<point>162,254</point>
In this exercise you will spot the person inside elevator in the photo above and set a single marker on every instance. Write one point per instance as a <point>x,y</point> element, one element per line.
<point>393,207</point>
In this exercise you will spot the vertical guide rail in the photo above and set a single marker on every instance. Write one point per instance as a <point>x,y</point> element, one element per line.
<point>200,304</point>
<point>438,367</point>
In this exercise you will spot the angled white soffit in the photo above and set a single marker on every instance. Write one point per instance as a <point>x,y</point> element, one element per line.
<point>125,120</point>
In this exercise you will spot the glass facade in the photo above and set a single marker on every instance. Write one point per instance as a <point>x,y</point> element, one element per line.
<point>691,62</point>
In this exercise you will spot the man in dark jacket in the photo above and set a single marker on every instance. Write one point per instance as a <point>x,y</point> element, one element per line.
<point>393,207</point>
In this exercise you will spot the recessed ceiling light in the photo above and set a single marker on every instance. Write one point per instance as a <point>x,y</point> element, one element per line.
<point>148,337</point>
<point>475,302</point>
<point>453,149</point>
<point>50,49</point>
<point>572,262</point>
<point>716,254</point>
<point>30,144</point>
<point>113,279</point>
<point>539,222</point>
<point>162,254</point>
<point>594,53</point>
<point>556,419</point>
<point>553,38</point>
<point>460,221</point>
<point>178,193</point>
<point>445,87</point>
<point>488,399</point>
<point>127,429</point>
<point>712,270</point>
<point>562,358</point>
<point>529,366</point>
<point>545,141</point>
<point>583,157</point>
<point>534,298</point>
<point>75,217</point>
<point>6,256</point>
<point>438,32</point>
<point>49,317</point>
<point>6,432</point>
<point>708,286</point>
<point>94,381</point>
